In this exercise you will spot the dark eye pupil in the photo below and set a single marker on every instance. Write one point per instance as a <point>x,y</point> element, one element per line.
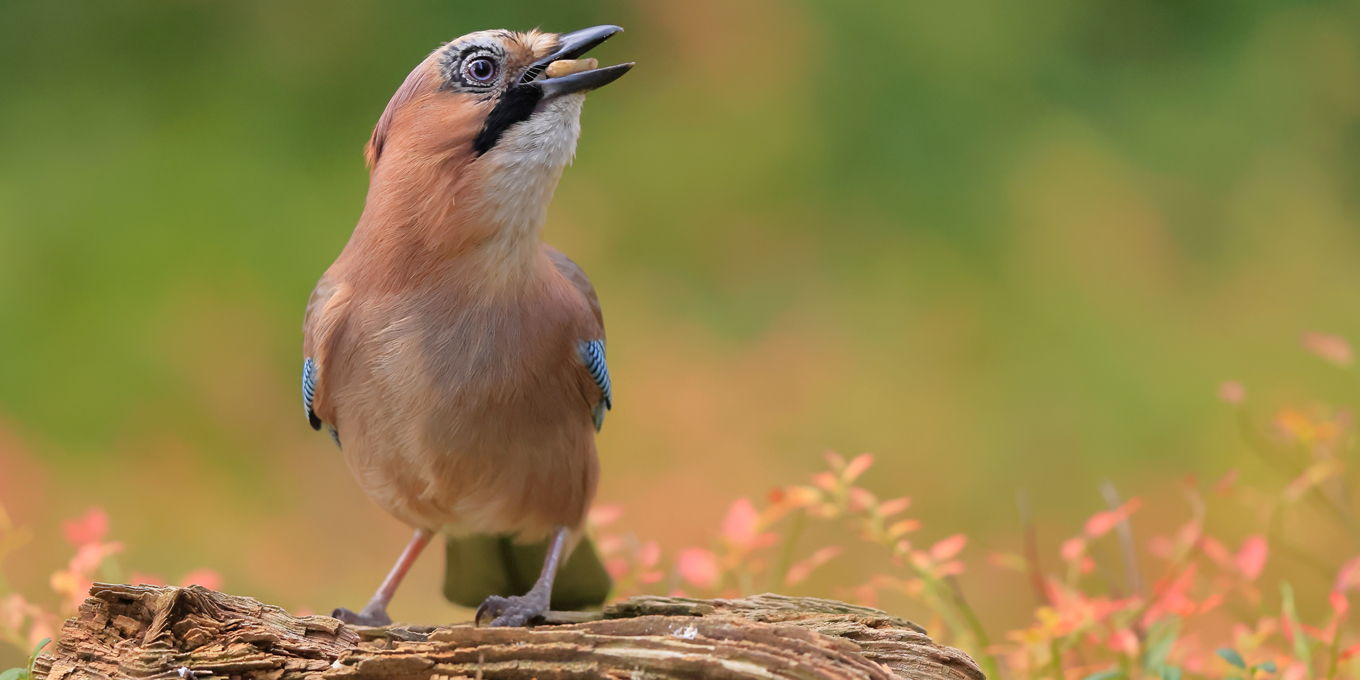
<point>482,69</point>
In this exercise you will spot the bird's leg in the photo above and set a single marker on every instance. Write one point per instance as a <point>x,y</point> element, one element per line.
<point>375,612</point>
<point>520,609</point>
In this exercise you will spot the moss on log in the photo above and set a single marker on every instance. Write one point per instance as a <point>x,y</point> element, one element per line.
<point>148,632</point>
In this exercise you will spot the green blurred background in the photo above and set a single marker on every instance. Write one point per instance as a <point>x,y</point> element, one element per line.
<point>1004,246</point>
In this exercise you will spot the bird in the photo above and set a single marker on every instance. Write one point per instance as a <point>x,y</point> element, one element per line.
<point>456,359</point>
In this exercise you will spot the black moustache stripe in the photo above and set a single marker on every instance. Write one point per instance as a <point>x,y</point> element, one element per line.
<point>515,105</point>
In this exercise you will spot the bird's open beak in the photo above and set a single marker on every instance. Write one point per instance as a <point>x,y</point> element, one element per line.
<point>561,73</point>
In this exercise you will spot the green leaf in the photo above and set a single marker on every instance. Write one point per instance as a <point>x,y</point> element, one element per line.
<point>37,649</point>
<point>1268,667</point>
<point>1105,675</point>
<point>1232,657</point>
<point>14,674</point>
<point>1171,673</point>
<point>1161,637</point>
<point>32,659</point>
<point>1301,649</point>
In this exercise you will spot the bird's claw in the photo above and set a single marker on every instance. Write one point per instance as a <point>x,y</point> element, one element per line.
<point>513,611</point>
<point>368,616</point>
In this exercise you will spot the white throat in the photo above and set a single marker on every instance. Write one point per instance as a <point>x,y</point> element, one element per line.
<point>523,168</point>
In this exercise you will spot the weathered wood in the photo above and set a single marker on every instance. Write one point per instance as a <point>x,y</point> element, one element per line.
<point>146,632</point>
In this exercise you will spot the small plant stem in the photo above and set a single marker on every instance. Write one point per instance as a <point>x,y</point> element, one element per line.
<point>1055,660</point>
<point>1033,567</point>
<point>1262,447</point>
<point>786,553</point>
<point>1126,548</point>
<point>984,643</point>
<point>955,605</point>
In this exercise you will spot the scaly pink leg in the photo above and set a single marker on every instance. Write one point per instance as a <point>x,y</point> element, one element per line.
<point>375,612</point>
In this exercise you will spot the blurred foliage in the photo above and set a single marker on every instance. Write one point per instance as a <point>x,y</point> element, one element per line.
<point>1005,247</point>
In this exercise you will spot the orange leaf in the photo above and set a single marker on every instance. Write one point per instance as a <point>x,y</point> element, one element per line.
<point>202,577</point>
<point>804,568</point>
<point>739,526</point>
<point>802,496</point>
<point>948,547</point>
<point>1226,482</point>
<point>88,528</point>
<point>1216,550</point>
<point>1008,561</point>
<point>1348,653</point>
<point>616,567</point>
<point>861,499</point>
<point>1102,522</point>
<point>699,567</point>
<point>1251,559</point>
<point>825,481</point>
<point>649,554</point>
<point>1232,392</point>
<point>1340,605</point>
<point>603,515</point>
<point>857,466</point>
<point>1073,548</point>
<point>1349,575</point>
<point>139,578</point>
<point>894,506</point>
<point>1330,348</point>
<point>904,526</point>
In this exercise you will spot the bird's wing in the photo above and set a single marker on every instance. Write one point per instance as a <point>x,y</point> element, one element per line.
<point>592,355</point>
<point>590,350</point>
<point>309,391</point>
<point>326,309</point>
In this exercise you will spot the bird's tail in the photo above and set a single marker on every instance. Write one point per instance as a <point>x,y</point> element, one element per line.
<point>477,567</point>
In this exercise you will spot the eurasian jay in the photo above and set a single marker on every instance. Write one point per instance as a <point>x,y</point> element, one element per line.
<point>457,360</point>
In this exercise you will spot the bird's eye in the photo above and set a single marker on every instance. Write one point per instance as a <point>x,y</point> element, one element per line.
<point>481,69</point>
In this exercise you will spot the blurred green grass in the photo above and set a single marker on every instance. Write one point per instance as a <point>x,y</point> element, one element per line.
<point>1002,247</point>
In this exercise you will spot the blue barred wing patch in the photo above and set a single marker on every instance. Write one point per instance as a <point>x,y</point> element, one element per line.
<point>309,391</point>
<point>592,355</point>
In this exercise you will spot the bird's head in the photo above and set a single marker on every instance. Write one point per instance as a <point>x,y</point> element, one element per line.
<point>497,112</point>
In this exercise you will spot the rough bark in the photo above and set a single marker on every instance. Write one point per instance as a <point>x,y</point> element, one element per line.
<point>150,632</point>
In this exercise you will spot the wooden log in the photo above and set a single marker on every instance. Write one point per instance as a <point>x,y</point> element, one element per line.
<point>148,633</point>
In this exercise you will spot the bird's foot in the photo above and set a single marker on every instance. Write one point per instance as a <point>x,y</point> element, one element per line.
<point>516,610</point>
<point>375,616</point>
